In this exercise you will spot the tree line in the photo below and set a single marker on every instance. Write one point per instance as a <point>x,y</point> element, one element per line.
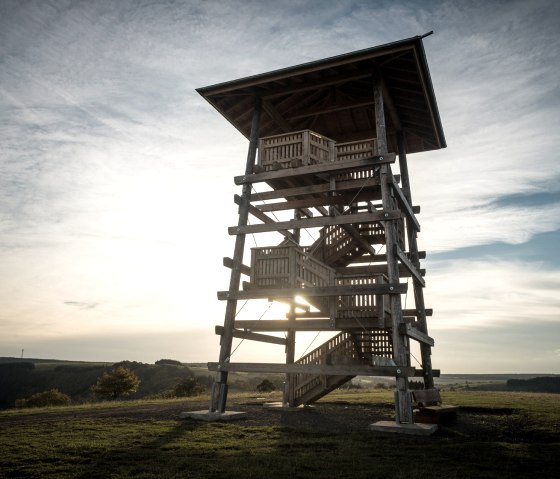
<point>24,384</point>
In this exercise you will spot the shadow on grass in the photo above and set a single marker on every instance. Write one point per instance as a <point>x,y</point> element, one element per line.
<point>193,449</point>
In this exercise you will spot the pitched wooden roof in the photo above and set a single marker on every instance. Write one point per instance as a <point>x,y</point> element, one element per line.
<point>334,97</point>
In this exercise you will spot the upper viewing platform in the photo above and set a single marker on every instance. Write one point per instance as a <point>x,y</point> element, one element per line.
<point>334,98</point>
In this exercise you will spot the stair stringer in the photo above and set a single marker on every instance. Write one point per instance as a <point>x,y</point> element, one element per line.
<point>344,348</point>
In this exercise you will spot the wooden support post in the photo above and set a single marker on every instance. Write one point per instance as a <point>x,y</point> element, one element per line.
<point>403,400</point>
<point>289,387</point>
<point>219,390</point>
<point>381,131</point>
<point>425,349</point>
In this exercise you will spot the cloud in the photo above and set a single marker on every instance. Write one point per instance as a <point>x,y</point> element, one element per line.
<point>472,294</point>
<point>81,304</point>
<point>116,176</point>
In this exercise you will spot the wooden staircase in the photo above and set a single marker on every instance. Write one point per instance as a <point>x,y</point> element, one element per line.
<point>336,247</point>
<point>343,349</point>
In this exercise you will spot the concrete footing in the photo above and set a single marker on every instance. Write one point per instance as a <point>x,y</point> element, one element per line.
<point>396,428</point>
<point>209,416</point>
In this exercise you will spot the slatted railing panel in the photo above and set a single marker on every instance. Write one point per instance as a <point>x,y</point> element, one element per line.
<point>342,348</point>
<point>270,267</point>
<point>294,149</point>
<point>375,342</point>
<point>288,267</point>
<point>338,349</point>
<point>356,150</point>
<point>358,305</point>
<point>312,272</point>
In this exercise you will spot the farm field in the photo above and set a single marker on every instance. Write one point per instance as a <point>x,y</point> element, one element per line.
<point>497,434</point>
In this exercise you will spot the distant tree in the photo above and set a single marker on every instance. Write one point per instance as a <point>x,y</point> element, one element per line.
<point>118,382</point>
<point>266,386</point>
<point>547,384</point>
<point>46,398</point>
<point>170,362</point>
<point>133,365</point>
<point>189,387</point>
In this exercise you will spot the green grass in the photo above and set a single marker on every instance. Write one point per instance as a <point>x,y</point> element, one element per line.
<point>511,435</point>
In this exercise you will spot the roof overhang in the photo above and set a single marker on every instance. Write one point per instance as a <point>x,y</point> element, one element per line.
<point>335,97</point>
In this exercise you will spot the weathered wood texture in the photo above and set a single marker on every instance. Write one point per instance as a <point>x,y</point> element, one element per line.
<point>327,130</point>
<point>430,408</point>
<point>319,369</point>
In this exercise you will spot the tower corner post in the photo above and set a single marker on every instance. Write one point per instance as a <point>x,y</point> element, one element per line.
<point>220,387</point>
<point>403,399</point>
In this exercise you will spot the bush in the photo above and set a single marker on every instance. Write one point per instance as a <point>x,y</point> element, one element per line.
<point>47,398</point>
<point>116,383</point>
<point>266,386</point>
<point>189,387</point>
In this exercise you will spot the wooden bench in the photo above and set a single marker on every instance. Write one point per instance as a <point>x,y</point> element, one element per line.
<point>431,410</point>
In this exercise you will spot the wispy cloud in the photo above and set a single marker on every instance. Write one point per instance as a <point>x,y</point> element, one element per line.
<point>116,176</point>
<point>488,292</point>
<point>81,304</point>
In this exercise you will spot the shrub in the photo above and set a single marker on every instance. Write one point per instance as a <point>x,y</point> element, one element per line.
<point>46,398</point>
<point>116,383</point>
<point>189,387</point>
<point>266,386</point>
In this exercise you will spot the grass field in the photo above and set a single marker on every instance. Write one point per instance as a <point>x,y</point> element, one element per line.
<point>496,435</point>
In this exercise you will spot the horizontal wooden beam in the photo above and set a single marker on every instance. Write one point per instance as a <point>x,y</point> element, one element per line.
<point>318,369</point>
<point>323,291</point>
<point>263,338</point>
<point>263,217</point>
<point>317,222</point>
<point>311,202</point>
<point>324,324</point>
<point>370,270</point>
<point>308,190</point>
<point>320,168</point>
<point>412,332</point>
<point>380,258</point>
<point>228,263</point>
<point>416,312</point>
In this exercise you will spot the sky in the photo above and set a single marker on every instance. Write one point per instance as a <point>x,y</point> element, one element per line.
<point>116,177</point>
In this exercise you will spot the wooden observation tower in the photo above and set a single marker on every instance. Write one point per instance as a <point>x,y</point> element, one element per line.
<point>330,138</point>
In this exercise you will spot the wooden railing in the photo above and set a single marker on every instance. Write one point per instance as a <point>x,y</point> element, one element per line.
<point>345,348</point>
<point>339,348</point>
<point>305,147</point>
<point>360,305</point>
<point>335,243</point>
<point>288,267</point>
<point>298,148</point>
